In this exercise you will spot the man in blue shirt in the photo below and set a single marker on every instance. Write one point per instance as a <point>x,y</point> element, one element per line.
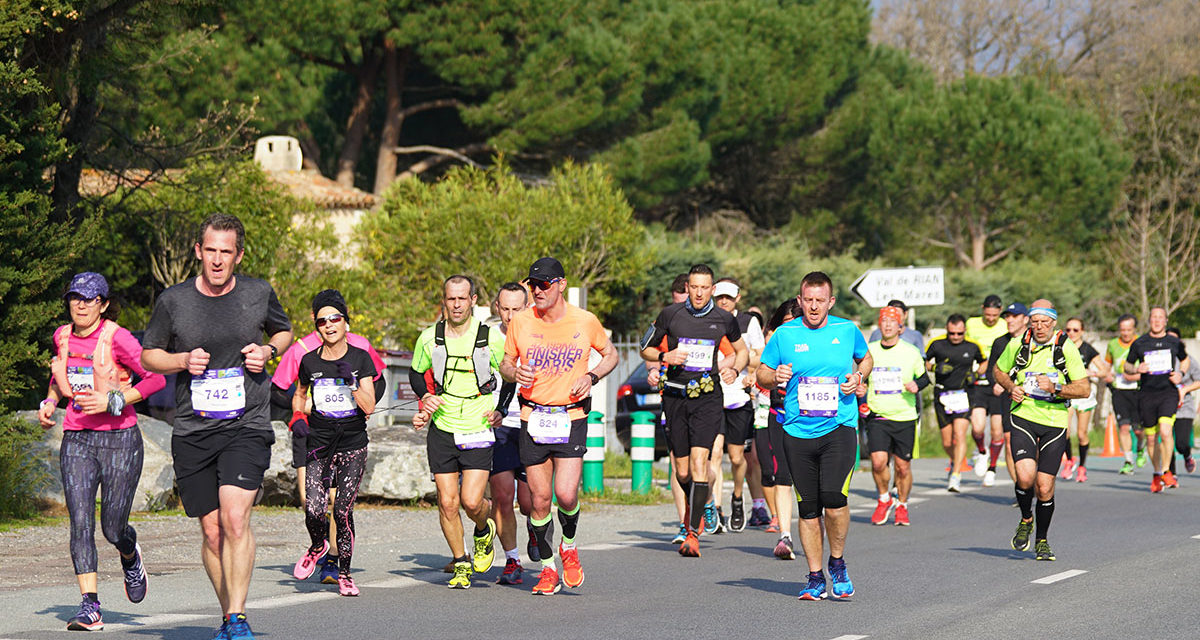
<point>821,361</point>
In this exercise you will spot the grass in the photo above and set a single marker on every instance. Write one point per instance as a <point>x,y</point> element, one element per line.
<point>614,496</point>
<point>620,465</point>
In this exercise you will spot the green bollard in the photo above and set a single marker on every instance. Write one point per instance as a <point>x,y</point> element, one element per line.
<point>641,450</point>
<point>593,458</point>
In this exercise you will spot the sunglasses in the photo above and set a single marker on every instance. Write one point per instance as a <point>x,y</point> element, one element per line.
<point>955,333</point>
<point>542,285</point>
<point>75,298</point>
<point>333,317</point>
<point>1070,330</point>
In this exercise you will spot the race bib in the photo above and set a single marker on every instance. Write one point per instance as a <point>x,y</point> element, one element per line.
<point>219,393</point>
<point>481,439</point>
<point>80,378</point>
<point>333,398</point>
<point>1033,390</point>
<point>954,402</point>
<point>1160,361</point>
<point>1119,380</point>
<point>549,425</point>
<point>818,396</point>
<point>734,395</point>
<point>886,380</point>
<point>699,353</point>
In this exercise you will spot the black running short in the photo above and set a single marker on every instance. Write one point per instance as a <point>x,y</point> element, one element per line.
<point>766,461</point>
<point>1153,405</point>
<point>693,422</point>
<point>893,437</point>
<point>823,464</point>
<point>299,451</point>
<point>998,405</point>
<point>446,457</point>
<point>506,455</point>
<point>1125,406</point>
<point>739,425</point>
<point>1033,441</point>
<point>775,434</point>
<point>979,396</point>
<point>533,453</point>
<point>206,460</point>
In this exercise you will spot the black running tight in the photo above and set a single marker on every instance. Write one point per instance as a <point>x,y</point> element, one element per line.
<point>345,476</point>
<point>94,459</point>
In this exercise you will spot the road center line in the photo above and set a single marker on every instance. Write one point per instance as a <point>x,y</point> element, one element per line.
<point>1195,537</point>
<point>1059,576</point>
<point>850,637</point>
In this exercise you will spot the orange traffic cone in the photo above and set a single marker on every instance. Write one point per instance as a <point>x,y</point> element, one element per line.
<point>1111,448</point>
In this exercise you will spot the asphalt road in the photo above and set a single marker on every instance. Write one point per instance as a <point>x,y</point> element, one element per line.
<point>1127,565</point>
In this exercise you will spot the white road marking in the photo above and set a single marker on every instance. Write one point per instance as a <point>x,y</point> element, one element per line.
<point>1059,576</point>
<point>1195,537</point>
<point>850,637</point>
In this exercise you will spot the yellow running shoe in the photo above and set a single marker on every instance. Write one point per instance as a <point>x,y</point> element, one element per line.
<point>485,550</point>
<point>462,576</point>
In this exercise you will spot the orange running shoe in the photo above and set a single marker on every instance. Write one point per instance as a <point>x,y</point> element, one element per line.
<point>902,515</point>
<point>1169,480</point>
<point>691,546</point>
<point>548,583</point>
<point>572,574</point>
<point>882,511</point>
<point>1156,484</point>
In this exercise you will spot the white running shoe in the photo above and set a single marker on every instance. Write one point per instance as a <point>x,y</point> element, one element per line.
<point>955,483</point>
<point>981,464</point>
<point>989,479</point>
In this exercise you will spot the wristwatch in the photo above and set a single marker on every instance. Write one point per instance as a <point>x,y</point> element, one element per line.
<point>595,378</point>
<point>661,355</point>
<point>274,351</point>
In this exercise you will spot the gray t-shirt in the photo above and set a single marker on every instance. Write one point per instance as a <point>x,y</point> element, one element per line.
<point>185,319</point>
<point>1188,410</point>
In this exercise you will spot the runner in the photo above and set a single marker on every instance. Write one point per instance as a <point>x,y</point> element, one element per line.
<point>907,333</point>
<point>1082,409</point>
<point>953,360</point>
<point>815,360</point>
<point>461,406</point>
<point>335,433</point>
<point>1186,415</point>
<point>507,480</point>
<point>770,440</point>
<point>1016,317</point>
<point>282,391</point>
<point>1155,355</point>
<point>208,329</point>
<point>692,399</point>
<point>897,376</point>
<point>739,408</point>
<point>1124,392</point>
<point>101,443</point>
<point>983,331</point>
<point>1043,371</point>
<point>546,352</point>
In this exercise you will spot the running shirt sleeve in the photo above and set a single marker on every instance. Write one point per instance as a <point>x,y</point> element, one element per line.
<point>657,334</point>
<point>596,334</point>
<point>422,358</point>
<point>496,343</point>
<point>770,354</point>
<point>754,335</point>
<point>289,365</point>
<point>158,329</point>
<point>860,344</point>
<point>1006,359</point>
<point>732,331</point>
<point>277,319</point>
<point>128,353</point>
<point>1134,355</point>
<point>1180,351</point>
<point>1076,368</point>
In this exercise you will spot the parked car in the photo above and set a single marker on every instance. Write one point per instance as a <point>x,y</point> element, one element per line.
<point>635,394</point>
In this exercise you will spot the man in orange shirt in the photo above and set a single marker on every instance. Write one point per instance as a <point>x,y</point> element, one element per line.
<point>546,352</point>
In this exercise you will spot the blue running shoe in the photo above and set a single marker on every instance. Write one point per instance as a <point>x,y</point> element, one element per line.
<point>329,570</point>
<point>816,587</point>
<point>135,576</point>
<point>222,632</point>
<point>88,618</point>
<point>842,587</point>
<point>238,629</point>
<point>710,518</point>
<point>681,536</point>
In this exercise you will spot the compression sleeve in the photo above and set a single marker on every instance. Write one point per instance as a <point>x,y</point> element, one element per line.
<point>507,391</point>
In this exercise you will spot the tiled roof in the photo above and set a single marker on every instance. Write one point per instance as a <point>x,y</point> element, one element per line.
<point>304,185</point>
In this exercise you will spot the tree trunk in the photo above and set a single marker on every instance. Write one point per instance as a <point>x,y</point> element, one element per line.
<point>395,65</point>
<point>360,113</point>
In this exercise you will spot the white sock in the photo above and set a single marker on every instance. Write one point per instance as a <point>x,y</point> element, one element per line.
<point>902,504</point>
<point>758,502</point>
<point>512,554</point>
<point>885,497</point>
<point>548,564</point>
<point>786,534</point>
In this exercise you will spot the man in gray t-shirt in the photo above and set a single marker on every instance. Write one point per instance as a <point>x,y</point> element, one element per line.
<point>209,330</point>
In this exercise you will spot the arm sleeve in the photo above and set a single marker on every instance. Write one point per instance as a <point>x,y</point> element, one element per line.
<point>922,382</point>
<point>128,353</point>
<point>416,380</point>
<point>507,391</point>
<point>1005,360</point>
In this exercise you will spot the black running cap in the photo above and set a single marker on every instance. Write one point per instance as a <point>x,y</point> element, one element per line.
<point>546,269</point>
<point>329,298</point>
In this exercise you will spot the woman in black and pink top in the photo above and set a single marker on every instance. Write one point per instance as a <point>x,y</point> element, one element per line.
<point>94,361</point>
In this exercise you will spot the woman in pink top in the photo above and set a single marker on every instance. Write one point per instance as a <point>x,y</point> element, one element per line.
<point>101,446</point>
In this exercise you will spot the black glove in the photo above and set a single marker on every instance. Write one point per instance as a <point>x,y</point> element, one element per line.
<point>350,375</point>
<point>299,425</point>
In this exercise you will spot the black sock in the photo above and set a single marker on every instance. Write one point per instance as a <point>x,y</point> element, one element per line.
<point>569,523</point>
<point>1083,455</point>
<point>1171,467</point>
<point>1045,511</point>
<point>92,597</point>
<point>464,558</point>
<point>697,500</point>
<point>541,533</point>
<point>479,533</point>
<point>1025,501</point>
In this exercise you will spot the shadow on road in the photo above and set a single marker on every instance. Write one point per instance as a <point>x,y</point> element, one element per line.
<point>995,552</point>
<point>763,584</point>
<point>185,633</point>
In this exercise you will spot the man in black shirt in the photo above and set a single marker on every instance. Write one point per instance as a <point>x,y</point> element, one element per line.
<point>954,362</point>
<point>1016,315</point>
<point>1155,355</point>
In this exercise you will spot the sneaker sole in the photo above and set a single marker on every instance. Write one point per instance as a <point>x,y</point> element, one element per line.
<point>460,586</point>
<point>844,596</point>
<point>509,581</point>
<point>79,626</point>
<point>1044,559</point>
<point>1016,548</point>
<point>348,595</point>
<point>787,556</point>
<point>333,580</point>
<point>903,524</point>
<point>809,598</point>
<point>557,588</point>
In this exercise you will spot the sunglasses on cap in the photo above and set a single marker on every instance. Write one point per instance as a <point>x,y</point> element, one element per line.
<point>542,285</point>
<point>333,317</point>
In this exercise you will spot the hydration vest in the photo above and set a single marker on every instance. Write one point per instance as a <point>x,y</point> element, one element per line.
<point>107,375</point>
<point>481,359</point>
<point>1025,354</point>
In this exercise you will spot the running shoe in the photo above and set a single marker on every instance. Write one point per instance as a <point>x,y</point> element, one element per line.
<point>737,519</point>
<point>989,478</point>
<point>238,628</point>
<point>1020,540</point>
<point>135,577</point>
<point>462,576</point>
<point>759,517</point>
<point>1189,463</point>
<point>784,550</point>
<point>901,515</point>
<point>330,570</point>
<point>222,632</point>
<point>710,519</point>
<point>679,537</point>
<point>346,586</point>
<point>1068,468</point>
<point>980,463</point>
<point>88,618</point>
<point>955,484</point>
<point>572,574</point>
<point>485,550</point>
<point>1156,484</point>
<point>1126,469</point>
<point>548,583</point>
<point>773,525</point>
<point>1141,458</point>
<point>690,547</point>
<point>1081,474</point>
<point>815,590</point>
<point>531,549</point>
<point>842,587</point>
<point>1169,480</point>
<point>307,563</point>
<point>722,522</point>
<point>882,511</point>
<point>1042,550</point>
<point>513,573</point>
